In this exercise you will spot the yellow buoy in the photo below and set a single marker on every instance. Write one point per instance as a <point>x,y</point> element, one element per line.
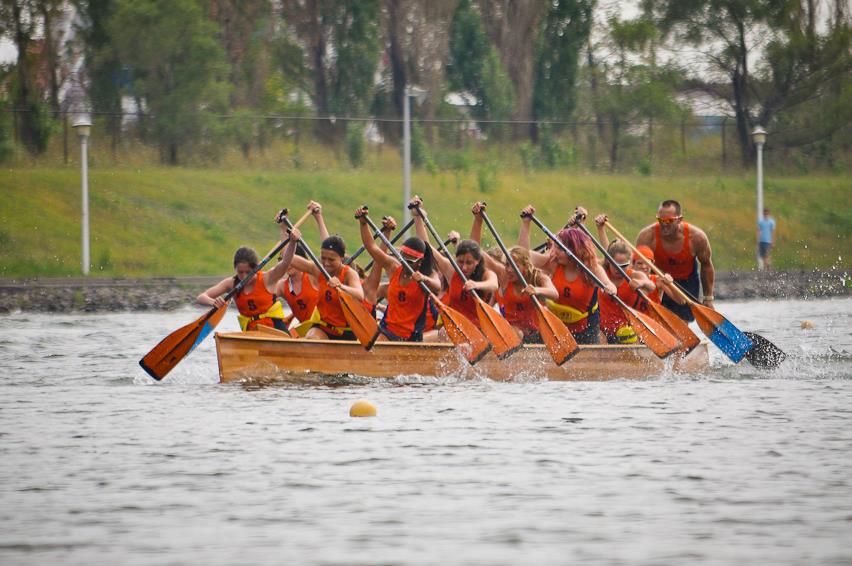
<point>807,325</point>
<point>362,408</point>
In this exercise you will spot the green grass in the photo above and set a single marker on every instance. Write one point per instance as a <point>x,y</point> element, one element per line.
<point>181,221</point>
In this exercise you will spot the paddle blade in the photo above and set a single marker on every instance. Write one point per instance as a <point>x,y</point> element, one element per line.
<point>555,335</point>
<point>764,354</point>
<point>675,325</point>
<point>463,333</point>
<point>177,345</point>
<point>731,340</point>
<point>651,333</point>
<point>362,323</point>
<point>497,329</point>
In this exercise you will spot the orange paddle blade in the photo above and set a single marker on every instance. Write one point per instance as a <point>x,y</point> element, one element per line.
<point>675,325</point>
<point>177,345</point>
<point>362,323</point>
<point>555,335</point>
<point>497,329</point>
<point>651,333</point>
<point>463,333</point>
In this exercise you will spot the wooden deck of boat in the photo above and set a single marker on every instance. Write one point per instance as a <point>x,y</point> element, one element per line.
<point>246,355</point>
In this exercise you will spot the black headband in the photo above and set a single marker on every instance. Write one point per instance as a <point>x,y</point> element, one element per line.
<point>335,245</point>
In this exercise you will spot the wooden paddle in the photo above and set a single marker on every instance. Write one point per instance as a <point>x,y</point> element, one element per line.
<point>496,328</point>
<point>176,346</point>
<point>362,323</point>
<point>555,335</point>
<point>731,340</point>
<point>360,250</point>
<point>672,322</point>
<point>463,333</point>
<point>649,331</point>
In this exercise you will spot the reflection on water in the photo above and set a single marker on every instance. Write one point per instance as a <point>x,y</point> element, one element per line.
<point>99,465</point>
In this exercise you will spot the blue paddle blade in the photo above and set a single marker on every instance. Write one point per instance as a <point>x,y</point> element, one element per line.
<point>731,340</point>
<point>205,331</point>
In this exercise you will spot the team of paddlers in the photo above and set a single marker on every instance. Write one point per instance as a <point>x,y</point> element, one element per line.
<point>405,300</point>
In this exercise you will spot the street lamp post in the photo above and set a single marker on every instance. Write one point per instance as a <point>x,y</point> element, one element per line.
<point>83,125</point>
<point>759,137</point>
<point>420,95</point>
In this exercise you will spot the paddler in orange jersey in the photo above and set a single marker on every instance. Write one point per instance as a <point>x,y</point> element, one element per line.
<point>332,324</point>
<point>679,248</point>
<point>512,298</point>
<point>614,323</point>
<point>577,305</point>
<point>299,289</point>
<point>374,289</point>
<point>471,262</point>
<point>256,301</point>
<point>639,263</point>
<point>408,305</point>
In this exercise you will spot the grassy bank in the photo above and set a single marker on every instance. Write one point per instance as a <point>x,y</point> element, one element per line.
<point>179,221</point>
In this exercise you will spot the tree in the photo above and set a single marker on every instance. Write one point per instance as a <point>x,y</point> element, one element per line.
<point>20,19</point>
<point>177,66</point>
<point>475,67</point>
<point>104,69</point>
<point>514,27</point>
<point>564,32</point>
<point>630,87</point>
<point>764,57</point>
<point>340,43</point>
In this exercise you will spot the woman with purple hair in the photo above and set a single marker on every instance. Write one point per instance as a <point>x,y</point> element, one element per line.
<point>577,305</point>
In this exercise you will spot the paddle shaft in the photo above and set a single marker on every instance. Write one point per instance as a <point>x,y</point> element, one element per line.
<point>238,287</point>
<point>360,250</point>
<point>444,249</point>
<point>570,254</point>
<point>509,257</point>
<point>656,269</point>
<point>311,255</point>
<point>610,259</point>
<point>399,258</point>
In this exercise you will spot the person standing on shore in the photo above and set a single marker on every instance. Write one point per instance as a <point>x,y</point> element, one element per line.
<point>679,248</point>
<point>765,239</point>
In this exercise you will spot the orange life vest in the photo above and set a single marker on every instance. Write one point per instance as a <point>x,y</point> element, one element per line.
<point>517,308</point>
<point>256,303</point>
<point>578,294</point>
<point>653,295</point>
<point>461,300</point>
<point>331,313</point>
<point>612,317</point>
<point>303,303</point>
<point>407,311</point>
<point>681,264</point>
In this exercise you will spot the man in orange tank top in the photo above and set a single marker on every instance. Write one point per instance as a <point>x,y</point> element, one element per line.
<point>679,249</point>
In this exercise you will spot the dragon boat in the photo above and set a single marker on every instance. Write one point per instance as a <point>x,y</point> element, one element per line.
<point>272,355</point>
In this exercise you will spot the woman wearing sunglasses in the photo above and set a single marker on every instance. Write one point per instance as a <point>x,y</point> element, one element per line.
<point>679,248</point>
<point>408,307</point>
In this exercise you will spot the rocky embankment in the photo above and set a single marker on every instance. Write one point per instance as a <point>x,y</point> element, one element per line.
<point>167,293</point>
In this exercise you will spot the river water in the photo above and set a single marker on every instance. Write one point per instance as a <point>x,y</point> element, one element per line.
<point>100,465</point>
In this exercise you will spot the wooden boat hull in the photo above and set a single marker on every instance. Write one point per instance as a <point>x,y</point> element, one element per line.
<point>260,355</point>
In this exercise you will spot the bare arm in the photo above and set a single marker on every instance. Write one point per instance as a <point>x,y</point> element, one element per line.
<point>381,259</point>
<point>600,220</point>
<point>212,297</point>
<point>306,266</point>
<point>544,287</point>
<point>524,233</point>
<point>316,210</point>
<point>600,273</point>
<point>704,255</point>
<point>371,285</point>
<point>476,227</point>
<point>272,276</point>
<point>351,284</point>
<point>646,237</point>
<point>487,285</point>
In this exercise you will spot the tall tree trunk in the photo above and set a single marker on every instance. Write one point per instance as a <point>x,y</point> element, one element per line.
<point>24,105</point>
<point>50,57</point>
<point>513,26</point>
